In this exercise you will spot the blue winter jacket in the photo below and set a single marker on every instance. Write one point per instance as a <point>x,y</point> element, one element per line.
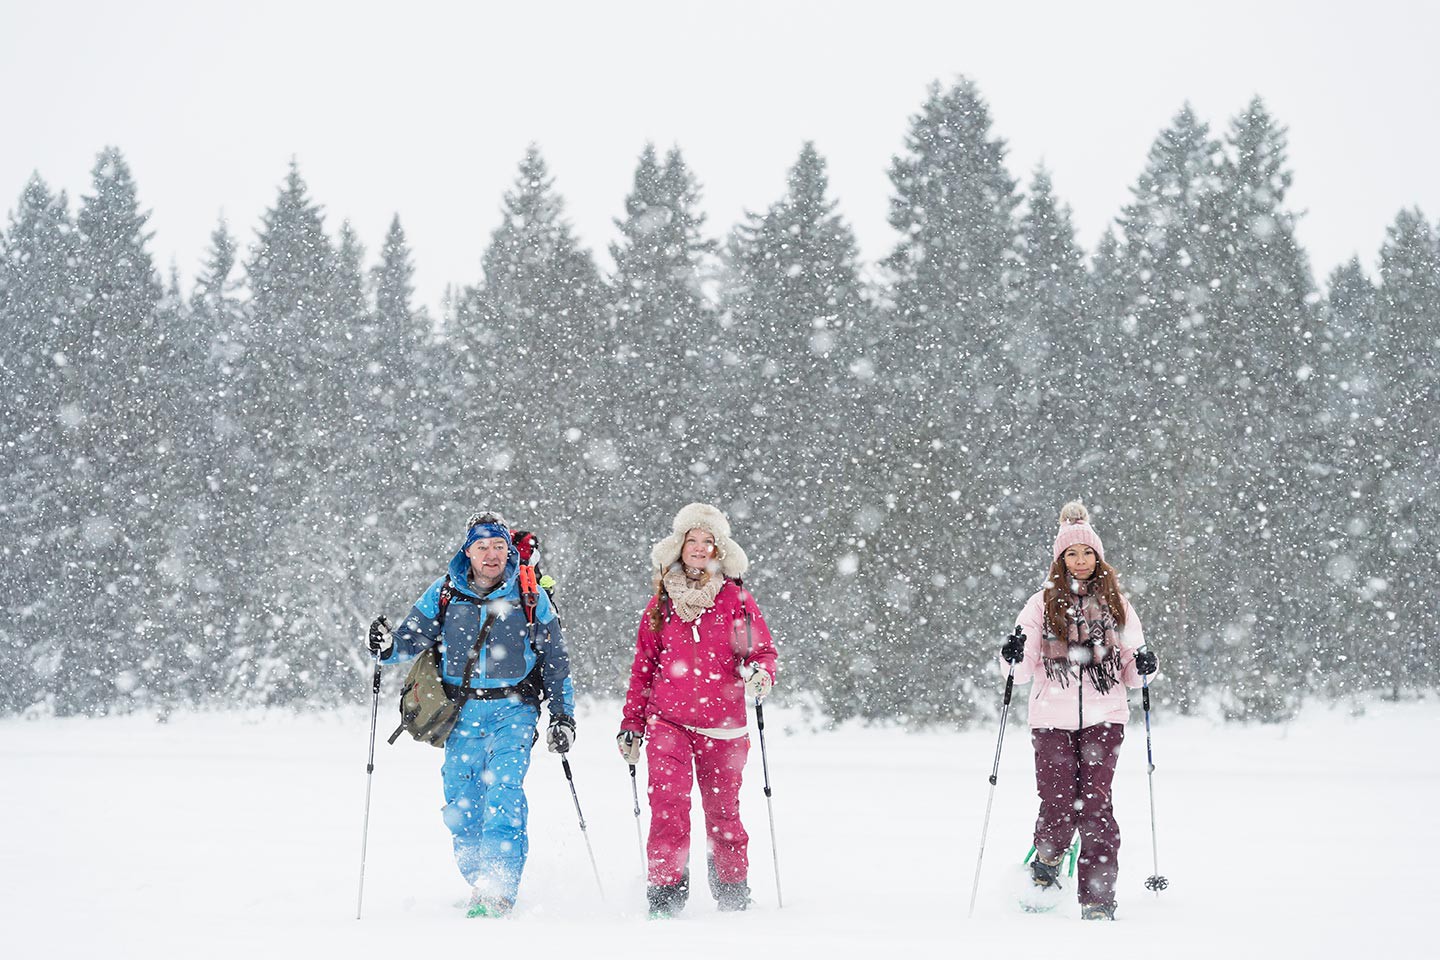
<point>508,655</point>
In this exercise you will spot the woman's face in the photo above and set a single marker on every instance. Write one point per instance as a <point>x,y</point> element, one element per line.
<point>1080,561</point>
<point>698,549</point>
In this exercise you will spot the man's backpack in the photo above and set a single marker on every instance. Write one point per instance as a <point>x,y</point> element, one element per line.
<point>430,707</point>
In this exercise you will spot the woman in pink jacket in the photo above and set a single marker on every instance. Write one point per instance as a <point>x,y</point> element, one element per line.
<point>1081,646</point>
<point>703,647</point>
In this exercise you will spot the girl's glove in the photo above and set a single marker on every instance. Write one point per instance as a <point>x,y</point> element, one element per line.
<point>758,684</point>
<point>1146,662</point>
<point>629,743</point>
<point>1014,649</point>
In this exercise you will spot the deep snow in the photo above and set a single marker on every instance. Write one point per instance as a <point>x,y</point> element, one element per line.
<point>238,835</point>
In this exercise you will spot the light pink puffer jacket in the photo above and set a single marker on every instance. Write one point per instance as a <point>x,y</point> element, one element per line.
<point>1055,707</point>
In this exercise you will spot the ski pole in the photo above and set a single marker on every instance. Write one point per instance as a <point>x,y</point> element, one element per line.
<point>639,839</point>
<point>994,774</point>
<point>369,780</point>
<point>565,761</point>
<point>769,800</point>
<point>1155,881</point>
<point>764,758</point>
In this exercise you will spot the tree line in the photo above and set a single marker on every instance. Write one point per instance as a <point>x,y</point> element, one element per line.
<point>207,495</point>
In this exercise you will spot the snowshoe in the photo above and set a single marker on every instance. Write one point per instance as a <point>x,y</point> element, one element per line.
<point>1042,891</point>
<point>667,900</point>
<point>484,905</point>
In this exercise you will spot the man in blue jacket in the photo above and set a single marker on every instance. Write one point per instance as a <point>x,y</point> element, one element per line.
<point>517,663</point>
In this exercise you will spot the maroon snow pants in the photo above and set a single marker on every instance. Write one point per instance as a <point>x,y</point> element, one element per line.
<point>1073,772</point>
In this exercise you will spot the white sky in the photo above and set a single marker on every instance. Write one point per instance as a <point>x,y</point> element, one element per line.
<point>426,108</point>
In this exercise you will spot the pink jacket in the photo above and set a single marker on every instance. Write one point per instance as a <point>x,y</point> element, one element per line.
<point>687,673</point>
<point>1056,707</point>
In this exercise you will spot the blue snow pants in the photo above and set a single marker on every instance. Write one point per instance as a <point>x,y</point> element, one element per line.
<point>486,759</point>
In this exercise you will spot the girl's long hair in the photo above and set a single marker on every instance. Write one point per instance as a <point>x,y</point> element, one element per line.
<point>1057,595</point>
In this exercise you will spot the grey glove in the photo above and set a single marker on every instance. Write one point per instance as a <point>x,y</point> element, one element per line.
<point>381,640</point>
<point>561,735</point>
<point>630,742</point>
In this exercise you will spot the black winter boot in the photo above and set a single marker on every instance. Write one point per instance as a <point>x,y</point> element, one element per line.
<point>1045,875</point>
<point>731,897</point>
<point>668,900</point>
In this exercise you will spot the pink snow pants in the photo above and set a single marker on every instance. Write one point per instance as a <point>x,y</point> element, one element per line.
<point>1073,773</point>
<point>672,752</point>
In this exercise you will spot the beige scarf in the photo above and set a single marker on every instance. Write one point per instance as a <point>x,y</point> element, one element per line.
<point>691,598</point>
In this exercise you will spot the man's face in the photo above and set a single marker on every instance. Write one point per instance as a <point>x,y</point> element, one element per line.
<point>487,557</point>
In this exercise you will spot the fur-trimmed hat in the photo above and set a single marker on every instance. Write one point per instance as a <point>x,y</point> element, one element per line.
<point>733,562</point>
<point>1075,528</point>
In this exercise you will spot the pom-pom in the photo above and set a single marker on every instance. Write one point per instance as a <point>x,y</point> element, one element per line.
<point>1074,512</point>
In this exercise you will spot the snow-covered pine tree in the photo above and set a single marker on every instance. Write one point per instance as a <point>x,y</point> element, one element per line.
<point>1255,413</point>
<point>1352,513</point>
<point>545,344</point>
<point>1410,345</point>
<point>799,432</point>
<point>1170,260</point>
<point>121,449</point>
<point>950,425</point>
<point>38,297</point>
<point>291,422</point>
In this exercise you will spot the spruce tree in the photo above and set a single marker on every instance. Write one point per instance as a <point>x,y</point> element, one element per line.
<point>121,448</point>
<point>1409,313</point>
<point>1170,260</point>
<point>948,536</point>
<point>38,298</point>
<point>794,429</point>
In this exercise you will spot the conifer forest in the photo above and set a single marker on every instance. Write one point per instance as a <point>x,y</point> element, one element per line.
<point>209,492</point>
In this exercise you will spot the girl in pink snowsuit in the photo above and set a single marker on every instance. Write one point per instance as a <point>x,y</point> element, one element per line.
<point>1081,646</point>
<point>702,649</point>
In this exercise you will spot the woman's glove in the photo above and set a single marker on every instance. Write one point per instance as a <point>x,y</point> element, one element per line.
<point>1146,662</point>
<point>629,743</point>
<point>758,684</point>
<point>561,735</point>
<point>1014,649</point>
<point>381,640</point>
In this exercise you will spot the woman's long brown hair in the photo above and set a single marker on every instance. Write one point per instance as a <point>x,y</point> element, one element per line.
<point>1057,595</point>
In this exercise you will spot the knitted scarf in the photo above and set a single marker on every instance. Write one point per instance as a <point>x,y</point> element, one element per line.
<point>1089,642</point>
<point>691,598</point>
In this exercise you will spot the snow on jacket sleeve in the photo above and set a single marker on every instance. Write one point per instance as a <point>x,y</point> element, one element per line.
<point>420,628</point>
<point>1032,621</point>
<point>1132,638</point>
<point>642,673</point>
<point>762,651</point>
<point>555,667</point>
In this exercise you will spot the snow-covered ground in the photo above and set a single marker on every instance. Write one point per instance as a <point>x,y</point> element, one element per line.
<point>239,836</point>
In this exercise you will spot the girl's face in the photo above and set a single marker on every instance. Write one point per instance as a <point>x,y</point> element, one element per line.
<point>1080,561</point>
<point>698,549</point>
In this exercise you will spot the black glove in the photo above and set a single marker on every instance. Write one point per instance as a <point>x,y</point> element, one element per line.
<point>381,640</point>
<point>561,734</point>
<point>1014,649</point>
<point>1146,662</point>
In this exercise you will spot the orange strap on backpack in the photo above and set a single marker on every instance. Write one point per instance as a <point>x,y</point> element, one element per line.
<point>529,592</point>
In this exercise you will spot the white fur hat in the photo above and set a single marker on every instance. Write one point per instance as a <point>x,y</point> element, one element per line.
<point>733,562</point>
